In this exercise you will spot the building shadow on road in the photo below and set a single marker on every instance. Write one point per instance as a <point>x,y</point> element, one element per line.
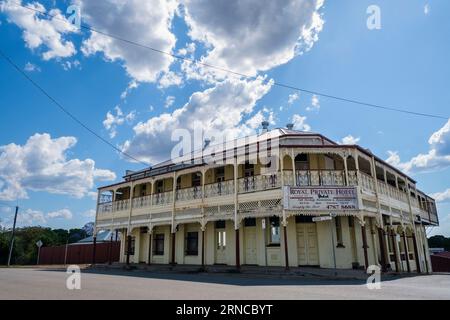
<point>233,278</point>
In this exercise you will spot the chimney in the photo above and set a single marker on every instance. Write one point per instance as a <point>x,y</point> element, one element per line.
<point>265,126</point>
<point>207,142</point>
<point>290,126</point>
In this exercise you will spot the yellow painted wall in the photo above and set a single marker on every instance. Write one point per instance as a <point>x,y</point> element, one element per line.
<point>229,172</point>
<point>165,259</point>
<point>344,256</point>
<point>168,184</point>
<point>185,181</point>
<point>287,163</point>
<point>209,177</point>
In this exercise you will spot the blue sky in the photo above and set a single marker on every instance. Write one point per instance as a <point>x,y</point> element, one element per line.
<point>403,64</point>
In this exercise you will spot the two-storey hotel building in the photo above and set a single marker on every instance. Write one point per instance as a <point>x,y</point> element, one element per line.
<point>281,198</point>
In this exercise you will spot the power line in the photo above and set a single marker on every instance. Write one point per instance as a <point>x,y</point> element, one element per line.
<point>6,205</point>
<point>67,112</point>
<point>275,83</point>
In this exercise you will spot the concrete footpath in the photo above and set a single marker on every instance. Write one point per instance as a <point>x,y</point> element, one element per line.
<point>277,272</point>
<point>50,283</point>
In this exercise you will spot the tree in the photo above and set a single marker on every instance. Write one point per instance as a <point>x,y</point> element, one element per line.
<point>76,235</point>
<point>439,242</point>
<point>4,246</point>
<point>89,228</point>
<point>25,249</point>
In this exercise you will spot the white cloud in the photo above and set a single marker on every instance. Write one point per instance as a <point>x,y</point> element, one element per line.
<point>440,140</point>
<point>300,123</point>
<point>394,158</point>
<point>132,85</point>
<point>170,78</point>
<point>5,209</point>
<point>315,104</point>
<point>63,214</point>
<point>68,65</point>
<point>42,165</point>
<point>30,67</point>
<point>254,122</point>
<point>254,35</point>
<point>189,50</point>
<point>220,108</point>
<point>443,196</point>
<point>31,217</point>
<point>293,97</point>
<point>89,213</point>
<point>426,9</point>
<point>350,140</point>
<point>170,100</point>
<point>112,121</point>
<point>437,158</point>
<point>47,33</point>
<point>147,22</point>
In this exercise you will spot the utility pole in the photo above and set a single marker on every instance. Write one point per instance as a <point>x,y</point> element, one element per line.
<point>11,244</point>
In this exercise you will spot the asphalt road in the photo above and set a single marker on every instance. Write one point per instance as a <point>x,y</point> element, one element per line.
<point>21,283</point>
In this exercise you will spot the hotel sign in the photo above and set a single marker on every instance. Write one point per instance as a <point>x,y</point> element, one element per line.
<point>320,198</point>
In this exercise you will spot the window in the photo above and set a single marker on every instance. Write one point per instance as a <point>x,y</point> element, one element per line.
<point>302,162</point>
<point>329,163</point>
<point>158,244</point>
<point>274,237</point>
<point>249,169</point>
<point>143,190</point>
<point>220,224</point>
<point>250,222</point>
<point>338,222</point>
<point>351,222</point>
<point>410,247</point>
<point>220,174</point>
<point>132,246</point>
<point>191,243</point>
<point>390,244</point>
<point>303,219</point>
<point>221,239</point>
<point>196,179</point>
<point>160,186</point>
<point>143,230</point>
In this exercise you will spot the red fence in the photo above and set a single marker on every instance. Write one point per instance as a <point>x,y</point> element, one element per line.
<point>80,253</point>
<point>440,264</point>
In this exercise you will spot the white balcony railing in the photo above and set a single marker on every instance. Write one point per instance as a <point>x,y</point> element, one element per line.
<point>188,194</point>
<point>259,183</point>
<point>366,182</point>
<point>318,178</point>
<point>162,199</point>
<point>105,208</point>
<point>142,202</point>
<point>219,189</point>
<point>121,205</point>
<point>268,182</point>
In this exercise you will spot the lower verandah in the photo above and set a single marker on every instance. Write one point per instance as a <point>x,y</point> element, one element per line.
<point>262,243</point>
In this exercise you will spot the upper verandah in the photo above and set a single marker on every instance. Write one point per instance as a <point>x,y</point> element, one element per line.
<point>246,148</point>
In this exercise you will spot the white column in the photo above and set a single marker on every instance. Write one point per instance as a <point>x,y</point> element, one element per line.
<point>131,207</point>
<point>377,193</point>
<point>409,203</point>
<point>282,188</point>
<point>174,191</point>
<point>96,213</point>
<point>236,166</point>
<point>346,170</point>
<point>293,168</point>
